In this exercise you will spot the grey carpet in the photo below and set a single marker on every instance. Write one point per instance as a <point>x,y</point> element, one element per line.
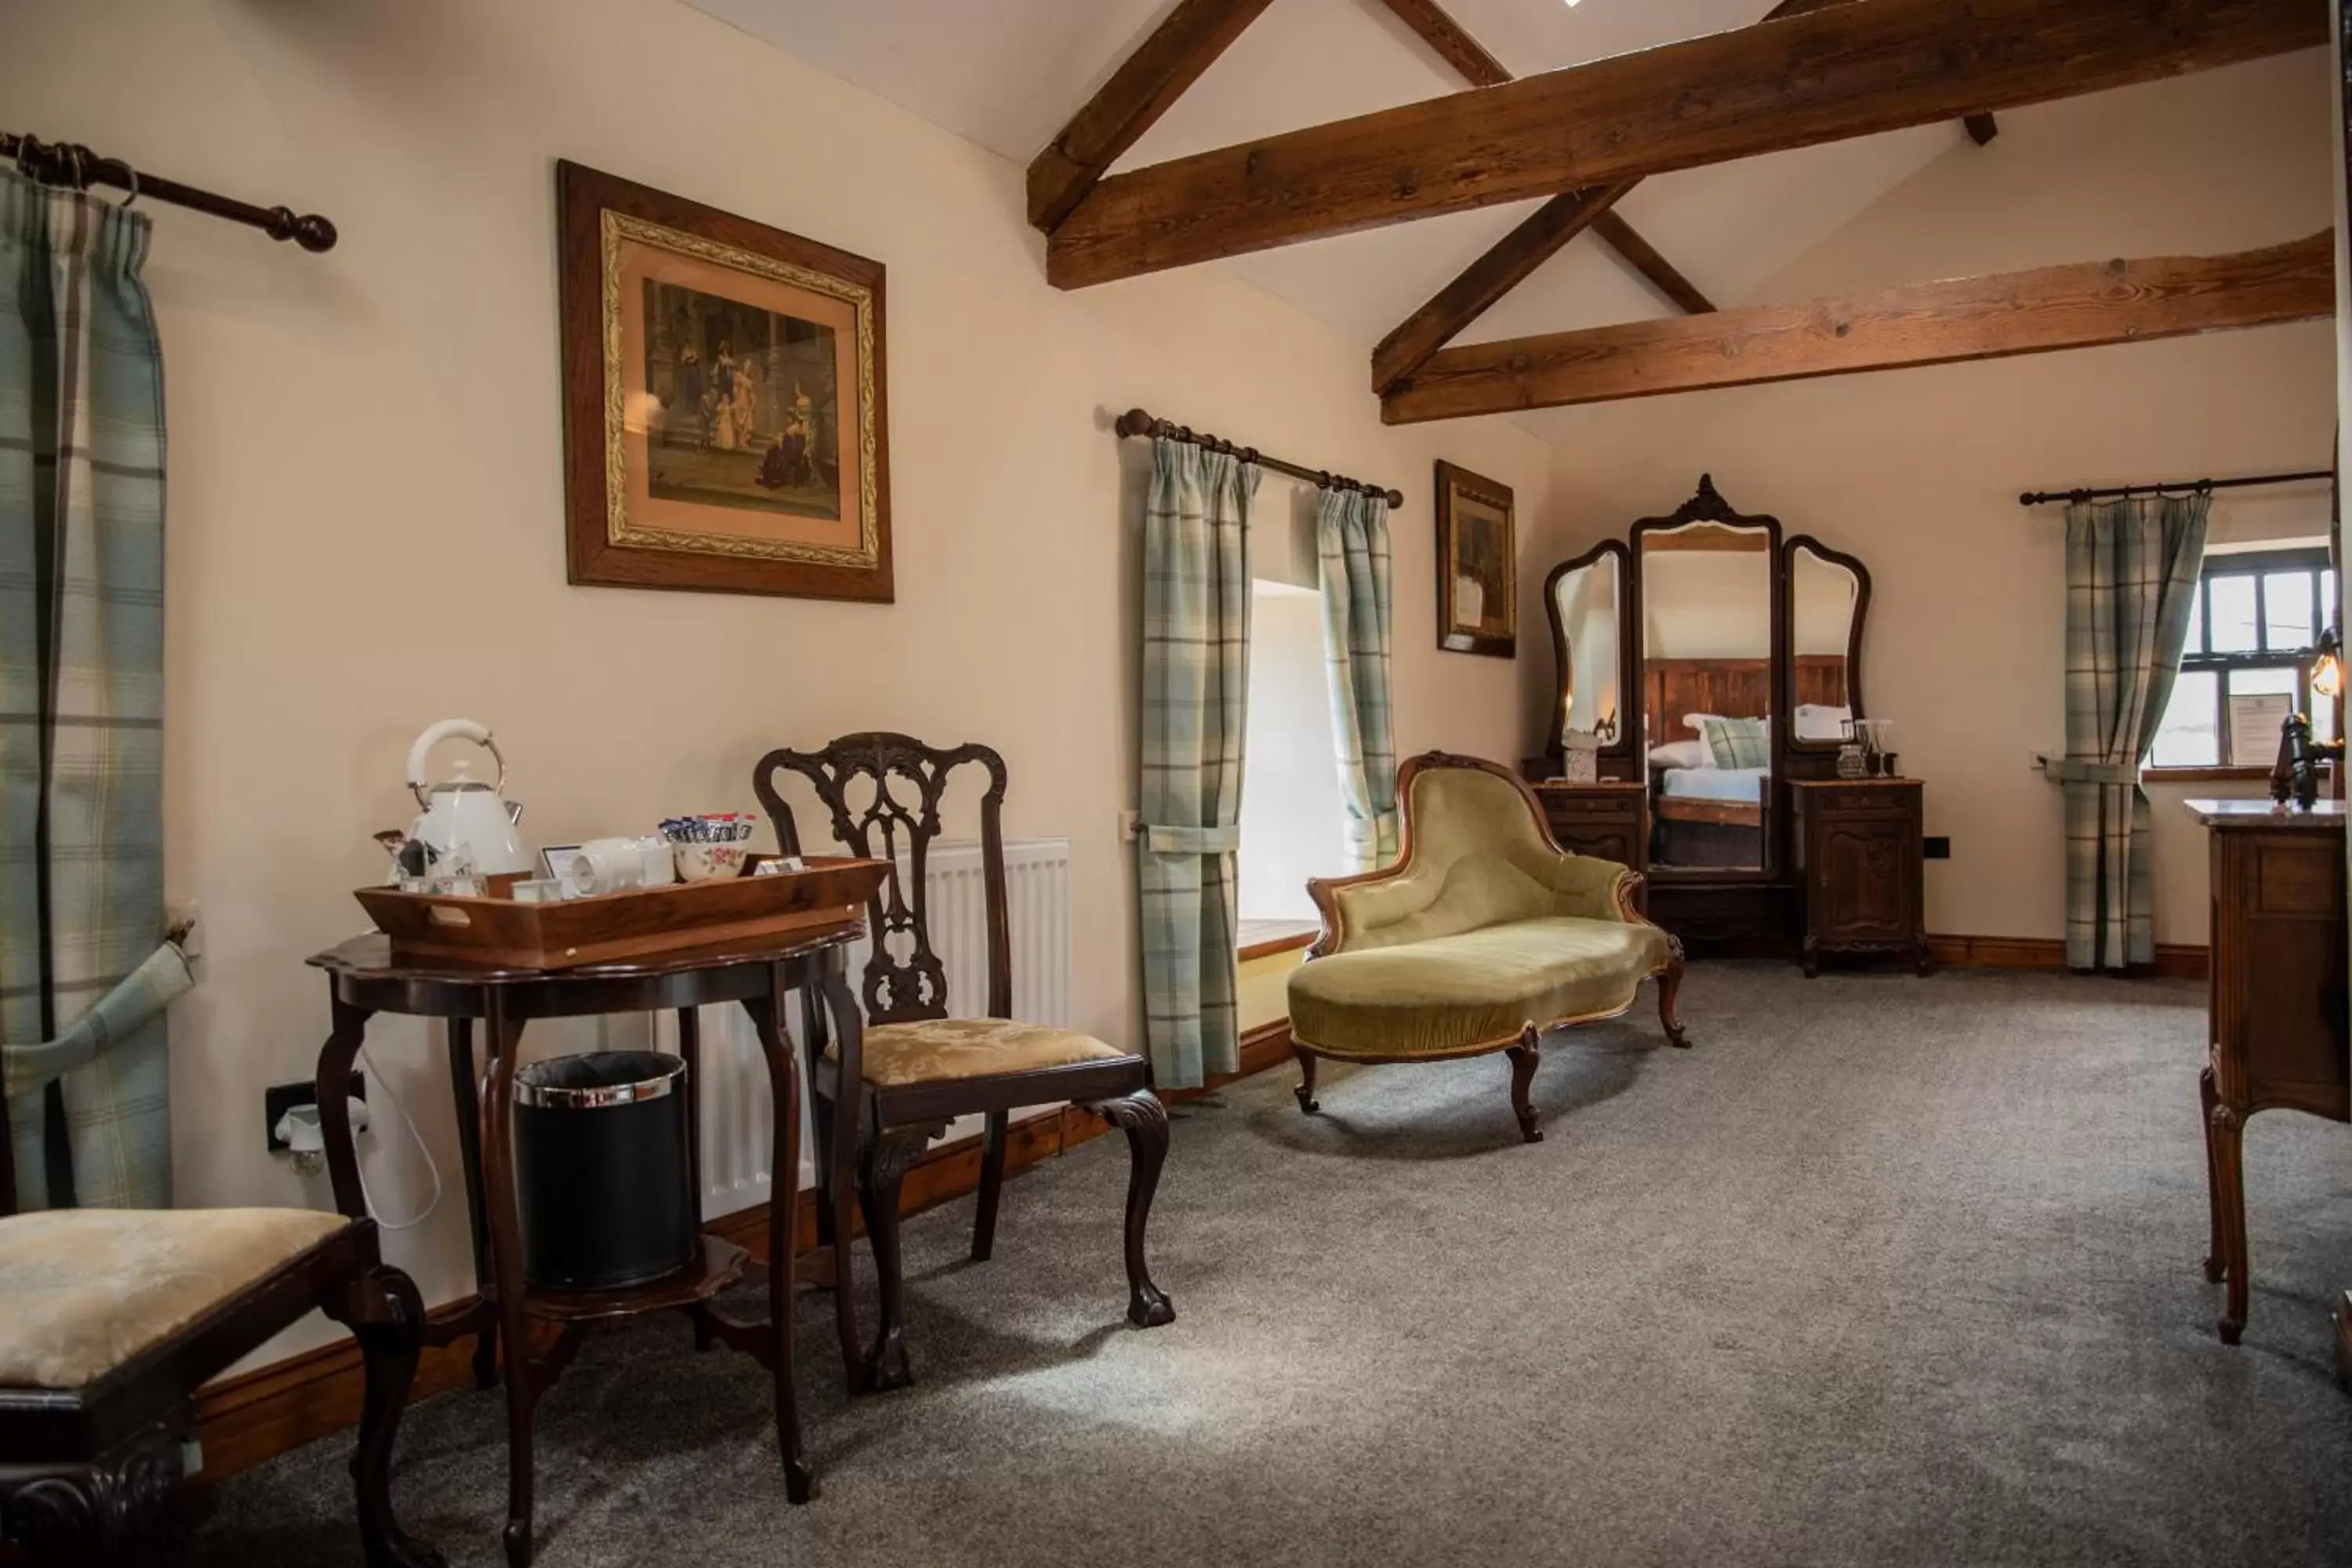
<point>1883,1271</point>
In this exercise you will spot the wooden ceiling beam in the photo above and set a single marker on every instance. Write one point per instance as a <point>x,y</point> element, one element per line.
<point>1452,41</point>
<point>1137,94</point>
<point>1847,70</point>
<point>1509,262</point>
<point>2038,312</point>
<point>1494,274</point>
<point>1644,259</point>
<point>1515,257</point>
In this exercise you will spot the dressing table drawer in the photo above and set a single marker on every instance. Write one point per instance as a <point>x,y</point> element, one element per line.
<point>1609,820</point>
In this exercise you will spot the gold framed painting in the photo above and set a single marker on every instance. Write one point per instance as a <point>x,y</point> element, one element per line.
<point>1477,564</point>
<point>724,420</point>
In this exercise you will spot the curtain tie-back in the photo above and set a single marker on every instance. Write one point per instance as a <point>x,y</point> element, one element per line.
<point>1192,840</point>
<point>2078,770</point>
<point>137,999</point>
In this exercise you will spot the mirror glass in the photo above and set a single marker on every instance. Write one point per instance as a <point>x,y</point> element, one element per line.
<point>1707,693</point>
<point>1589,601</point>
<point>1822,597</point>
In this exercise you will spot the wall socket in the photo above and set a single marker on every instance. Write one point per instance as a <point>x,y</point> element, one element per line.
<point>279,1099</point>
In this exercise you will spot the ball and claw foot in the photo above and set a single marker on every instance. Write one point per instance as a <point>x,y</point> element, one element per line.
<point>1149,1307</point>
<point>886,1363</point>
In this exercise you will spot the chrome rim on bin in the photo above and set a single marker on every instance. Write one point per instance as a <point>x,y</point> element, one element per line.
<point>662,1075</point>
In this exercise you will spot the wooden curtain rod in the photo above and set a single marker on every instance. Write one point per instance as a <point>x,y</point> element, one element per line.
<point>2036,497</point>
<point>1136,422</point>
<point>71,164</point>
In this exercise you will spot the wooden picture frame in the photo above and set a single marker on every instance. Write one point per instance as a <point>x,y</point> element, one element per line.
<point>1477,564</point>
<point>725,426</point>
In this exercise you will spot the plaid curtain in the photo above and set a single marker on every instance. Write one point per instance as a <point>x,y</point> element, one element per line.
<point>1351,545</point>
<point>2131,577</point>
<point>82,983</point>
<point>1196,610</point>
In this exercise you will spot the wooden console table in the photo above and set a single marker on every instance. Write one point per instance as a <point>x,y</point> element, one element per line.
<point>2277,1023</point>
<point>366,978</point>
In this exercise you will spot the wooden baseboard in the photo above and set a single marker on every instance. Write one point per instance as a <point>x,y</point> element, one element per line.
<point>248,1419</point>
<point>2178,961</point>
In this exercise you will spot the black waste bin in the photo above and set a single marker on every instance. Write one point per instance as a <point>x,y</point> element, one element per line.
<point>603,1170</point>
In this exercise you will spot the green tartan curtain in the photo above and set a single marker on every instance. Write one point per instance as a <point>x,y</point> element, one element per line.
<point>2131,577</point>
<point>84,970</point>
<point>1352,544</point>
<point>1196,612</point>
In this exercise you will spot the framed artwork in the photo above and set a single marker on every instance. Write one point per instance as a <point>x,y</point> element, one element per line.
<point>724,423</point>
<point>1477,564</point>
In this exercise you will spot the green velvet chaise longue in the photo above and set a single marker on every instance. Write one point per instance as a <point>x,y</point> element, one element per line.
<point>1482,937</point>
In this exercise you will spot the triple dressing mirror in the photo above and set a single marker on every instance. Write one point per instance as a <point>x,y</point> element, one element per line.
<point>1710,661</point>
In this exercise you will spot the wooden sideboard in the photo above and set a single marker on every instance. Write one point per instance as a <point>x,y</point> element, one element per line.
<point>1609,819</point>
<point>1859,871</point>
<point>2277,1025</point>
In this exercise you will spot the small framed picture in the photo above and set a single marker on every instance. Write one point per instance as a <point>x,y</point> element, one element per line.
<point>1477,564</point>
<point>555,859</point>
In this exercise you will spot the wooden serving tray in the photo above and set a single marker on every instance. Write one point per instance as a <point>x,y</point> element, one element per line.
<point>617,926</point>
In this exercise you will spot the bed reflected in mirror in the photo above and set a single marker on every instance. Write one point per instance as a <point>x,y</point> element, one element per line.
<point>1826,593</point>
<point>1587,604</point>
<point>1707,592</point>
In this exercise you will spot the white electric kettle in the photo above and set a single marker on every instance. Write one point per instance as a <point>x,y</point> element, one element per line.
<point>462,812</point>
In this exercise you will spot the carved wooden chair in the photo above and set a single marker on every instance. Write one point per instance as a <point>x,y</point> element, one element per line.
<point>922,1068</point>
<point>110,1321</point>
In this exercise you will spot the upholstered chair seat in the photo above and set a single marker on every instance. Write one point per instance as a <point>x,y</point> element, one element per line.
<point>933,1050</point>
<point>84,1290</point>
<point>1460,993</point>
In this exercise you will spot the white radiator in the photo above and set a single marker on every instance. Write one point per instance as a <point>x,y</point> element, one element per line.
<point>737,1124</point>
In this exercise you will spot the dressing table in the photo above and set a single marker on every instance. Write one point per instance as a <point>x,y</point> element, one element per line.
<point>1722,662</point>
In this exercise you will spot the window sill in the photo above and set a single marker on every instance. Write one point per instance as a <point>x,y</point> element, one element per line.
<point>2210,775</point>
<point>1264,939</point>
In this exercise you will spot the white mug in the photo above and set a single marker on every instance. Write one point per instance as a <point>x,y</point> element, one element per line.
<point>606,866</point>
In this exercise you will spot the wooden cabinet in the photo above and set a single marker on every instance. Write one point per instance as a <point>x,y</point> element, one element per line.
<point>1859,869</point>
<point>2278,1026</point>
<point>1609,819</point>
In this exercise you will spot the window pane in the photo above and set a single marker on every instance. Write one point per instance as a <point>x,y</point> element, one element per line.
<point>2196,643</point>
<point>2286,612</point>
<point>2188,737</point>
<point>2257,748</point>
<point>2233,629</point>
<point>2328,602</point>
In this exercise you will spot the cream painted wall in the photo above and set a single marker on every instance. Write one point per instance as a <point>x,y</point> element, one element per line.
<point>1918,472</point>
<point>366,506</point>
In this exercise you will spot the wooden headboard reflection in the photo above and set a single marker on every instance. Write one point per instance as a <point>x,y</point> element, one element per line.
<point>1734,688</point>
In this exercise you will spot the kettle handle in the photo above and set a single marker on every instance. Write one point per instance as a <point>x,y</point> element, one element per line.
<point>449,730</point>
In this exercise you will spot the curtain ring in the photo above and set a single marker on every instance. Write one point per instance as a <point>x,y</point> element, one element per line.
<point>133,173</point>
